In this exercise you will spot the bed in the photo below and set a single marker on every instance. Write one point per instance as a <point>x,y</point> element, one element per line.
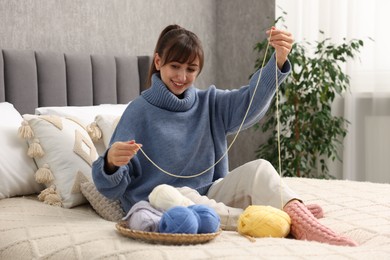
<point>61,218</point>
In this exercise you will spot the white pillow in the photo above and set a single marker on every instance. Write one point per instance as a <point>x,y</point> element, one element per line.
<point>107,125</point>
<point>16,168</point>
<point>64,153</point>
<point>86,114</point>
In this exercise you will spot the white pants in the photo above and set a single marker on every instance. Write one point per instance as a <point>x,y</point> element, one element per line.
<point>254,183</point>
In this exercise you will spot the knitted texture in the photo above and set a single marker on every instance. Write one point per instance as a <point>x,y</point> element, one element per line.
<point>108,209</point>
<point>304,226</point>
<point>316,210</point>
<point>33,230</point>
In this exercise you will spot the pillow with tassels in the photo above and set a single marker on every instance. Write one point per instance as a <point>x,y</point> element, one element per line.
<point>64,153</point>
<point>103,127</point>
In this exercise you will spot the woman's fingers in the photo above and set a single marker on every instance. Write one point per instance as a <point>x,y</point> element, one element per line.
<point>282,41</point>
<point>133,146</point>
<point>277,35</point>
<point>121,153</point>
<point>281,38</point>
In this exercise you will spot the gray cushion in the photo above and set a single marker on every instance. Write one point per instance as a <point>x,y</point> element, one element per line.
<point>51,79</point>
<point>20,79</point>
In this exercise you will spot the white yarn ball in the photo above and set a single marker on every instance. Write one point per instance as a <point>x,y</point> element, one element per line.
<point>164,197</point>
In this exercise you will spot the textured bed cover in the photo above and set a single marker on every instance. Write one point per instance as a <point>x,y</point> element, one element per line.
<point>30,229</point>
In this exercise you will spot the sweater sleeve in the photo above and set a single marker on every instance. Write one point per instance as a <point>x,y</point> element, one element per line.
<point>112,186</point>
<point>232,105</point>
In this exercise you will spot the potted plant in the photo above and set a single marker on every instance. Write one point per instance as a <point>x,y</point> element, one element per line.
<point>309,133</point>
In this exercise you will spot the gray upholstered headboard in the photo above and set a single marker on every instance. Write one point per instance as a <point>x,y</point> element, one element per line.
<point>31,79</point>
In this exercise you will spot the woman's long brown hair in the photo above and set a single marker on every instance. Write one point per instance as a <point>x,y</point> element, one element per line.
<point>176,44</point>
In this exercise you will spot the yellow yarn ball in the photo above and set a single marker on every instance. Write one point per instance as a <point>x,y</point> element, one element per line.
<point>264,221</point>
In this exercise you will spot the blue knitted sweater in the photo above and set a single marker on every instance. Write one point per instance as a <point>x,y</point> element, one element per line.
<point>183,136</point>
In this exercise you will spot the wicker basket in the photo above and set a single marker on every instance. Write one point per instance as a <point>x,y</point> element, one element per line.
<point>165,238</point>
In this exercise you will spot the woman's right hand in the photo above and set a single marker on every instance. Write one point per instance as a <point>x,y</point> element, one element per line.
<point>120,153</point>
<point>282,41</point>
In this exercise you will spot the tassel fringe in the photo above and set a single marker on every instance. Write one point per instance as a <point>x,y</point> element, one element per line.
<point>44,175</point>
<point>35,150</point>
<point>94,131</point>
<point>50,196</point>
<point>25,130</point>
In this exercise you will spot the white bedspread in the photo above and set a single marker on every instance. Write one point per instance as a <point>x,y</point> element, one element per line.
<point>30,229</point>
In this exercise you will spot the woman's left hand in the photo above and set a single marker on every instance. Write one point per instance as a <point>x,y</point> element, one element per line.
<point>282,41</point>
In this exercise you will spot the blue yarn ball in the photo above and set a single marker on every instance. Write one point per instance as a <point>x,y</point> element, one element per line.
<point>178,220</point>
<point>209,220</point>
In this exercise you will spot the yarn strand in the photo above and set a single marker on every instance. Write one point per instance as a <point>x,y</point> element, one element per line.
<point>278,137</point>
<point>235,136</point>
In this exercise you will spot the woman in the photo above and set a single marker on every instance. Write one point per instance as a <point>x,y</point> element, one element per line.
<point>183,130</point>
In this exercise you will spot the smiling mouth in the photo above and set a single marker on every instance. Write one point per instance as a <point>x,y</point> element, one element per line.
<point>178,85</point>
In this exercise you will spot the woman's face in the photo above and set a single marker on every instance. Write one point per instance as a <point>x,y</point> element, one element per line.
<point>178,77</point>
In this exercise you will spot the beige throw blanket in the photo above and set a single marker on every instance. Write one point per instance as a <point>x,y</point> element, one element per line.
<point>30,229</point>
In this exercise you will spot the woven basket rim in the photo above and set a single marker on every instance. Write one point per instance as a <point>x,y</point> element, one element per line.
<point>165,238</point>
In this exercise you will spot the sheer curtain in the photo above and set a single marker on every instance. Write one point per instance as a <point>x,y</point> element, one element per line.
<point>366,151</point>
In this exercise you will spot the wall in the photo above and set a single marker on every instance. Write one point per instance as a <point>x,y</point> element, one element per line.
<point>241,24</point>
<point>104,26</point>
<point>228,29</point>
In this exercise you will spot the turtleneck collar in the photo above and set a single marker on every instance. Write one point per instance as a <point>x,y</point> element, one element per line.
<point>159,95</point>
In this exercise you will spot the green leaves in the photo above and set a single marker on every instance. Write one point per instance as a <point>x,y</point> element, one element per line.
<point>309,131</point>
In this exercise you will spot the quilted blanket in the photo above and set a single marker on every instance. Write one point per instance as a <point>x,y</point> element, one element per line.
<point>30,229</point>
